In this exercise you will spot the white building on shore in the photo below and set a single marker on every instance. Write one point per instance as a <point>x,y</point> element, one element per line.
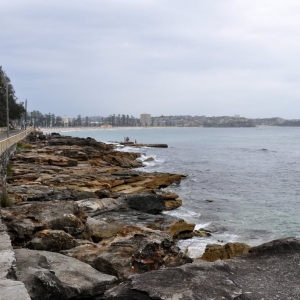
<point>66,121</point>
<point>145,119</point>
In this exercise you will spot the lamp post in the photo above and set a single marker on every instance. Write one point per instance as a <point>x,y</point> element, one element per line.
<point>25,114</point>
<point>7,110</point>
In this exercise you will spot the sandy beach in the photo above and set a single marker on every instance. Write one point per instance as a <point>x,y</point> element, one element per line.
<point>66,129</point>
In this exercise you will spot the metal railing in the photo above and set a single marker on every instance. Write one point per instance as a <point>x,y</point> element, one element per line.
<point>6,143</point>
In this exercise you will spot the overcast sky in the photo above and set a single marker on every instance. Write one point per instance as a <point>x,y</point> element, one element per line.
<point>162,57</point>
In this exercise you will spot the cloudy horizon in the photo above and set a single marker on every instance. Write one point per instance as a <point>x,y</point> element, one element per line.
<point>104,57</point>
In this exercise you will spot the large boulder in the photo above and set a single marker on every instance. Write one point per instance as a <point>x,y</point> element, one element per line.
<point>133,250</point>
<point>214,251</point>
<point>52,276</point>
<point>148,203</point>
<point>110,215</point>
<point>52,240</point>
<point>27,218</point>
<point>269,271</point>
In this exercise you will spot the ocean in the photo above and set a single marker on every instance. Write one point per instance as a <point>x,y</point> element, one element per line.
<point>243,183</point>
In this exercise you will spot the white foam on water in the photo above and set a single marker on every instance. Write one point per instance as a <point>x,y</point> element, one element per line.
<point>183,213</point>
<point>199,226</point>
<point>195,246</point>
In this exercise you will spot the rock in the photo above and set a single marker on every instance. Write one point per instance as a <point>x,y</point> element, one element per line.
<point>46,193</point>
<point>106,193</point>
<point>151,145</point>
<point>99,229</point>
<point>170,199</point>
<point>148,203</point>
<point>41,158</point>
<point>269,272</point>
<point>52,276</point>
<point>172,204</point>
<point>113,214</point>
<point>149,159</point>
<point>191,234</point>
<point>14,290</point>
<point>94,206</point>
<point>214,251</point>
<point>124,159</point>
<point>24,220</point>
<point>133,250</point>
<point>52,240</point>
<point>280,246</point>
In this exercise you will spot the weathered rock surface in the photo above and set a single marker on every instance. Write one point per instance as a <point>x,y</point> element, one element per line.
<point>214,251</point>
<point>10,289</point>
<point>60,172</point>
<point>133,250</point>
<point>52,240</point>
<point>269,271</point>
<point>27,218</point>
<point>53,276</point>
<point>110,215</point>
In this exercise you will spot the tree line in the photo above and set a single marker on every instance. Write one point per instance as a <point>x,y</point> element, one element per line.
<point>7,94</point>
<point>18,115</point>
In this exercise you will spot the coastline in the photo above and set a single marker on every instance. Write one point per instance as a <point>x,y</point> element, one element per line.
<point>89,216</point>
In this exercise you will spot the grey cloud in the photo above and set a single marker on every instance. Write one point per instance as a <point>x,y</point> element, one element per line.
<point>161,57</point>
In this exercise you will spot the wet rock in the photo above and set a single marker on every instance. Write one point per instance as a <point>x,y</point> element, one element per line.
<point>149,159</point>
<point>191,234</point>
<point>148,203</point>
<point>214,251</point>
<point>170,199</point>
<point>52,276</point>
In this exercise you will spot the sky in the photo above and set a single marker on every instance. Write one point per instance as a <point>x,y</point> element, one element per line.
<point>162,57</point>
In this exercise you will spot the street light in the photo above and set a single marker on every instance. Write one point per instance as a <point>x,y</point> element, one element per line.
<point>7,110</point>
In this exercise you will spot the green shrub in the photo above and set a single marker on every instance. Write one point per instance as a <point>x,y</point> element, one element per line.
<point>9,168</point>
<point>21,145</point>
<point>5,201</point>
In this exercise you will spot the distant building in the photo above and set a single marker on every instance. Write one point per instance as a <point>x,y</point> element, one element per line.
<point>66,121</point>
<point>145,119</point>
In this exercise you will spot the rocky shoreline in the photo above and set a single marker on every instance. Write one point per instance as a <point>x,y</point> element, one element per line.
<point>85,224</point>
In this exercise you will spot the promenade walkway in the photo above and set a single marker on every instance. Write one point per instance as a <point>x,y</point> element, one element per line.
<point>9,289</point>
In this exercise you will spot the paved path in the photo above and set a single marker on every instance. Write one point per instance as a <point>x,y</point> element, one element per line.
<point>9,289</point>
<point>3,134</point>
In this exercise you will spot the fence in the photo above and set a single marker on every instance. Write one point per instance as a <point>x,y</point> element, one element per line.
<point>6,143</point>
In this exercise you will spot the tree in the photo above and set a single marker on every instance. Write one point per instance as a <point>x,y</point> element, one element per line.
<point>15,109</point>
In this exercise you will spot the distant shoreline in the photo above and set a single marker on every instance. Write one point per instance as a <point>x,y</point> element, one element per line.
<point>67,129</point>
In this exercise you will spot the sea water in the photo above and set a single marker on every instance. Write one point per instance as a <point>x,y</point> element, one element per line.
<point>242,184</point>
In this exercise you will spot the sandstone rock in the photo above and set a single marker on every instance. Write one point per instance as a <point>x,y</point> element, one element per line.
<point>269,272</point>
<point>99,229</point>
<point>40,158</point>
<point>94,206</point>
<point>52,240</point>
<point>172,204</point>
<point>190,234</point>
<point>52,276</point>
<point>133,250</point>
<point>24,220</point>
<point>116,213</point>
<point>229,250</point>
<point>123,159</point>
<point>149,159</point>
